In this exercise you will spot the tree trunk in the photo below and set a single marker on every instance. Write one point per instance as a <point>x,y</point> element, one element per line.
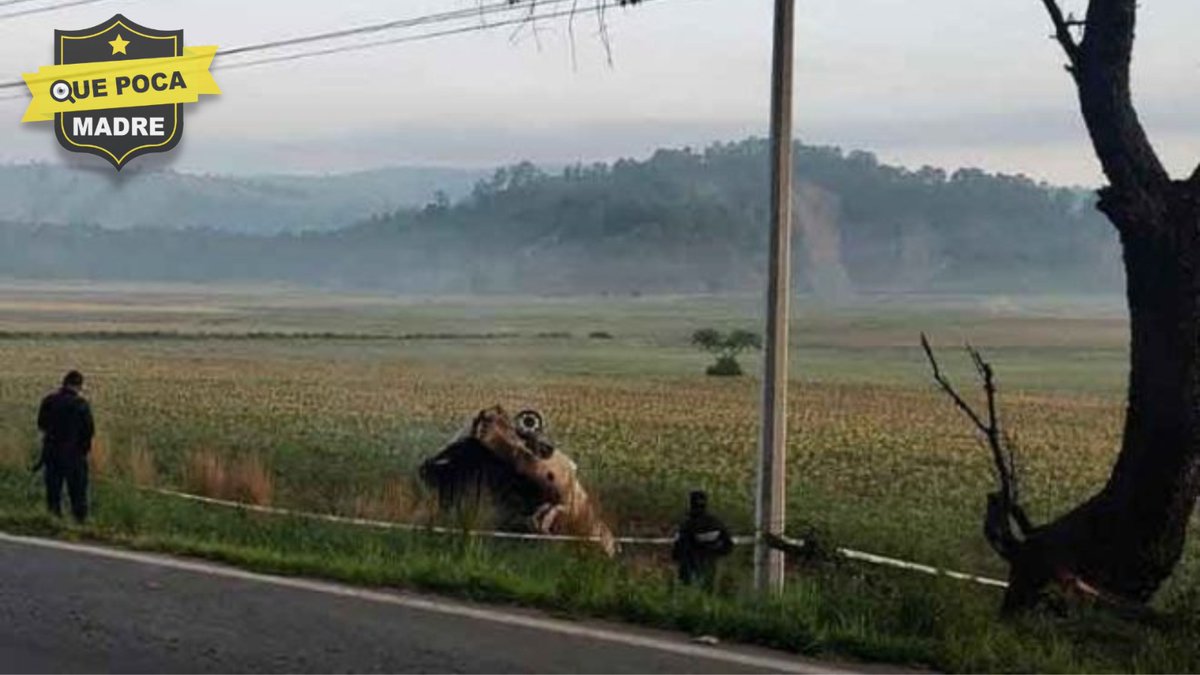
<point>1127,539</point>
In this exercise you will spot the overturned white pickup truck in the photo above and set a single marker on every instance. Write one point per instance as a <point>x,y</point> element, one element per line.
<point>509,463</point>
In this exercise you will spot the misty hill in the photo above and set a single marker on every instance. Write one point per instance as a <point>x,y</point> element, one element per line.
<point>679,221</point>
<point>261,204</point>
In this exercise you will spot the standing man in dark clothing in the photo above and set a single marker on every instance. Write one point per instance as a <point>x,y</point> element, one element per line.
<point>65,420</point>
<point>702,539</point>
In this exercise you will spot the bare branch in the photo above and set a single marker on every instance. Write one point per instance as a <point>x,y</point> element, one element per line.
<point>1002,458</point>
<point>1062,32</point>
<point>949,389</point>
<point>530,22</point>
<point>1003,511</point>
<point>991,428</point>
<point>571,34</point>
<point>989,386</point>
<point>602,8</point>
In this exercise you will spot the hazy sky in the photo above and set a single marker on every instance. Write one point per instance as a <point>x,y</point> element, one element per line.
<point>944,82</point>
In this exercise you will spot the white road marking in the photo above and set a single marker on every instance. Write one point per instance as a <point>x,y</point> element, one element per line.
<point>442,607</point>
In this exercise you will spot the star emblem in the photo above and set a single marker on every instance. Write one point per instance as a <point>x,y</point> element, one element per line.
<point>119,45</point>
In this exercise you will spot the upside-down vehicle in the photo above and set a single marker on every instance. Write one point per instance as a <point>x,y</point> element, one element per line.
<point>509,464</point>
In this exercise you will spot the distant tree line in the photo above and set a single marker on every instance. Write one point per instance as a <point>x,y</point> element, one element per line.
<point>679,221</point>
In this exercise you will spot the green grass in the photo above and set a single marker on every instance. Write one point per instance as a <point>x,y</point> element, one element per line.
<point>877,455</point>
<point>827,611</point>
<point>878,459</point>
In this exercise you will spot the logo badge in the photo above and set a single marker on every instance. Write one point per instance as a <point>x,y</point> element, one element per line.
<point>116,90</point>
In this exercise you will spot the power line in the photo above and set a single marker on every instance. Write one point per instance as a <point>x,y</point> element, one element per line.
<point>5,3</point>
<point>419,37</point>
<point>527,17</point>
<point>46,8</point>
<point>481,12</point>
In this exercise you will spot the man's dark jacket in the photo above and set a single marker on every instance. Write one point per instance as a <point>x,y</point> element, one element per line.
<point>65,420</point>
<point>701,540</point>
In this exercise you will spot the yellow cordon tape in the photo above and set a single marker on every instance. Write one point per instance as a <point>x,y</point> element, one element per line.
<point>108,85</point>
<point>852,554</point>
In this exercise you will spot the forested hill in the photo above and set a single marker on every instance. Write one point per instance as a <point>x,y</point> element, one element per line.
<point>680,221</point>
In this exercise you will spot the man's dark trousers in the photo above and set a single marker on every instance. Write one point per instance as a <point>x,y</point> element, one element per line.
<point>73,472</point>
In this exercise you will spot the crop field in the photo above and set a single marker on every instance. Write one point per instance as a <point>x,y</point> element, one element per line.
<point>329,402</point>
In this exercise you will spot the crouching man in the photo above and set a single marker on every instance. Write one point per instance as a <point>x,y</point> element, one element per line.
<point>65,420</point>
<point>701,541</point>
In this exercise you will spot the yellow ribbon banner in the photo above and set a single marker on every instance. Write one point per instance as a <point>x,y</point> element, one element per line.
<point>105,85</point>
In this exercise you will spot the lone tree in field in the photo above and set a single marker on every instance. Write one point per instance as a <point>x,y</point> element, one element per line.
<point>1127,539</point>
<point>726,348</point>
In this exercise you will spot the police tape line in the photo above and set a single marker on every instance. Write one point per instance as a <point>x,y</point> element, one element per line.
<point>873,559</point>
<point>407,527</point>
<point>741,540</point>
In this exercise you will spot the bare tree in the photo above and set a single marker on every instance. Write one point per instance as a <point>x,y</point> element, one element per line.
<point>1004,506</point>
<point>1127,539</point>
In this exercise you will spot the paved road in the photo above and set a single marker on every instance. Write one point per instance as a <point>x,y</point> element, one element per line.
<point>73,608</point>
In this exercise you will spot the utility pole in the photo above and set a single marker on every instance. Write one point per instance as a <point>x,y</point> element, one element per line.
<point>772,468</point>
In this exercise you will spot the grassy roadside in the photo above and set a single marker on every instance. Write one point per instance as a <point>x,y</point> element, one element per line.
<point>843,610</point>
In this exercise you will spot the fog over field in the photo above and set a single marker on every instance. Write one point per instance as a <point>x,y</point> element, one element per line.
<point>169,200</point>
<point>681,220</point>
<point>278,182</point>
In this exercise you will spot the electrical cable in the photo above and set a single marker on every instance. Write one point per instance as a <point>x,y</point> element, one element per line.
<point>480,11</point>
<point>6,3</point>
<point>395,24</point>
<point>527,17</point>
<point>46,8</point>
<point>412,38</point>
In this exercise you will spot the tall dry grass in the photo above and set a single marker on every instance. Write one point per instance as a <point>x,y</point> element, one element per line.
<point>140,467</point>
<point>100,460</point>
<point>245,479</point>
